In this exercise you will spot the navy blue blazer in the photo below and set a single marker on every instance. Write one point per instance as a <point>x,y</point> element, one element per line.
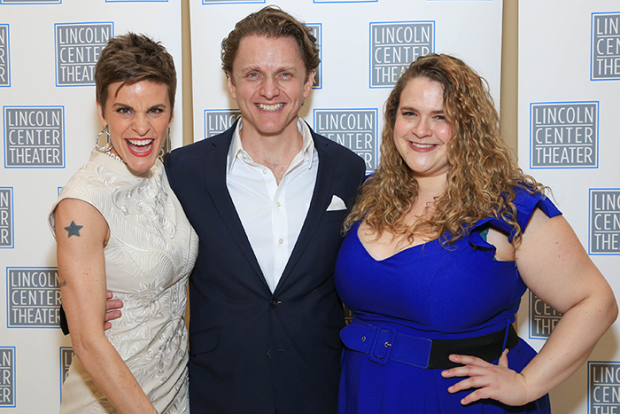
<point>251,350</point>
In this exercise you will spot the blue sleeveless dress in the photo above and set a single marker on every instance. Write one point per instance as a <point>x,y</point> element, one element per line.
<point>428,291</point>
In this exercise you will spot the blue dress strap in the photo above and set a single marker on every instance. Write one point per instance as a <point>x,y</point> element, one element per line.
<point>526,203</point>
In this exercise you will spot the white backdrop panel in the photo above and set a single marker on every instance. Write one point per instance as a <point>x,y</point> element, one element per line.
<point>35,36</point>
<point>569,95</point>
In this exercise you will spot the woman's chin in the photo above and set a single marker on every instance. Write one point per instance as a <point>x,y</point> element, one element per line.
<point>140,164</point>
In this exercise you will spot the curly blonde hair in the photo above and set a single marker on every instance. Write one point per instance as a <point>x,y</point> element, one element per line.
<point>482,175</point>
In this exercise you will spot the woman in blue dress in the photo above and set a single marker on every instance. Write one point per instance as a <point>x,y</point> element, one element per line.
<point>443,241</point>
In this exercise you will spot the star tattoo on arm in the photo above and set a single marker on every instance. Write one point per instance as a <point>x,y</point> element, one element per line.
<point>73,229</point>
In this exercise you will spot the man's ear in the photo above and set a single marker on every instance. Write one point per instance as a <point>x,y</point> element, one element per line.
<point>232,89</point>
<point>309,83</point>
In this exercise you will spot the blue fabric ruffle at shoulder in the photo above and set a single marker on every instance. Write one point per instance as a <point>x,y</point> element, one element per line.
<point>526,203</point>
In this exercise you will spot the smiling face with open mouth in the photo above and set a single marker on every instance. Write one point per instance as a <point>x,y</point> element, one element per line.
<point>269,82</point>
<point>421,132</point>
<point>138,116</point>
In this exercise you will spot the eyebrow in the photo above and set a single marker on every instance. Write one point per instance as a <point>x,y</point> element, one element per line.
<point>287,69</point>
<point>411,108</point>
<point>258,69</point>
<point>115,104</point>
<point>120,104</point>
<point>129,106</point>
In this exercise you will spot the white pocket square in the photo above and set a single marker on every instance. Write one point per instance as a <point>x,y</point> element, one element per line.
<point>336,204</point>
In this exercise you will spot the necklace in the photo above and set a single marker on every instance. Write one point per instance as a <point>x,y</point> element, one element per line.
<point>113,156</point>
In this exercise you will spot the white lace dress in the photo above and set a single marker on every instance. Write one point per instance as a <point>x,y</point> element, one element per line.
<point>148,259</point>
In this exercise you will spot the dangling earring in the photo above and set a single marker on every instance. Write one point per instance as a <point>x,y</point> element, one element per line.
<point>166,147</point>
<point>108,144</point>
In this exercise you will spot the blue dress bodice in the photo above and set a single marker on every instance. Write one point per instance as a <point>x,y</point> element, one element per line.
<point>434,291</point>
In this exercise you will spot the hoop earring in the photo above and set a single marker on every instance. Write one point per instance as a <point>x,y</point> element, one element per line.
<point>108,144</point>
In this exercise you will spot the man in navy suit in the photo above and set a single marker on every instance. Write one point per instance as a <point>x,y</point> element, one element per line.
<point>267,198</point>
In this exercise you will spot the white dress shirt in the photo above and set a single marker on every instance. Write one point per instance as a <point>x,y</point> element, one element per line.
<point>272,215</point>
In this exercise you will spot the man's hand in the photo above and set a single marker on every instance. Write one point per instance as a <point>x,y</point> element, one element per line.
<point>112,310</point>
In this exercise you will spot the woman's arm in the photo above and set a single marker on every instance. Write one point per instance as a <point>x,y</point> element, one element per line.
<point>81,233</point>
<point>554,265</point>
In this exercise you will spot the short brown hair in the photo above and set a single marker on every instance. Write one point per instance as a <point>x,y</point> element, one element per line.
<point>131,58</point>
<point>271,21</point>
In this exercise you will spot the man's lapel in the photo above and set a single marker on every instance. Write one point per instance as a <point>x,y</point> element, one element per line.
<point>215,180</point>
<point>321,198</point>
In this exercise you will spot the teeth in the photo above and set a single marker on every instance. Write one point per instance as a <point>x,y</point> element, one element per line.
<point>270,108</point>
<point>415,144</point>
<point>141,142</point>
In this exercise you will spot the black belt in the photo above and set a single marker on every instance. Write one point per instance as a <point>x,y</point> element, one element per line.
<point>382,344</point>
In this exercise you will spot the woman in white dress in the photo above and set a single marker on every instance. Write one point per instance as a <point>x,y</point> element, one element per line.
<point>119,227</point>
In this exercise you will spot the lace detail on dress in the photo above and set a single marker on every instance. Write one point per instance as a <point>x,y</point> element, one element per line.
<point>150,253</point>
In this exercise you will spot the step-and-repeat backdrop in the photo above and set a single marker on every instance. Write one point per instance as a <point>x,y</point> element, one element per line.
<point>365,46</point>
<point>569,93</point>
<point>48,51</point>
<point>569,139</point>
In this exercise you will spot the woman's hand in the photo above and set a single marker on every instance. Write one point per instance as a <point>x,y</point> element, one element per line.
<point>496,382</point>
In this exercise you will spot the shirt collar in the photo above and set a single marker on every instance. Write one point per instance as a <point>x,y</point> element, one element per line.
<point>236,148</point>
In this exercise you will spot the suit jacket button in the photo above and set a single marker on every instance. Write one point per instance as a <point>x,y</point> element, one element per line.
<point>268,353</point>
<point>274,302</point>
